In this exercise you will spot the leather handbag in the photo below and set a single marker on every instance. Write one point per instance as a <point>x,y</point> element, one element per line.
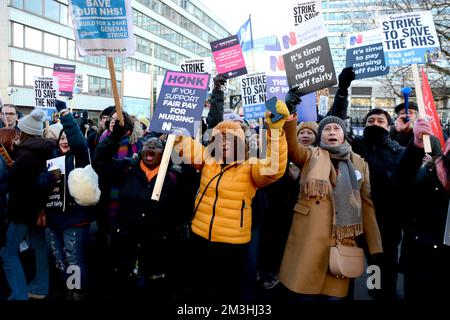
<point>346,261</point>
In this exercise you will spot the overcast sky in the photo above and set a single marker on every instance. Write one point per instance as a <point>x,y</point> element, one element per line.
<point>268,16</point>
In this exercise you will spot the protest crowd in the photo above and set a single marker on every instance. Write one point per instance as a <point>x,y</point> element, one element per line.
<point>280,211</point>
<point>223,229</point>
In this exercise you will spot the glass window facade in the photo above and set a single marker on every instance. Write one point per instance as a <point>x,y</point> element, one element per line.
<point>177,18</point>
<point>31,71</point>
<point>17,73</point>
<point>145,22</point>
<point>33,39</point>
<point>51,9</point>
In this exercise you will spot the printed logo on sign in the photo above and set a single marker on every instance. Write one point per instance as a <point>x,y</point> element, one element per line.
<point>356,39</point>
<point>85,34</point>
<point>166,126</point>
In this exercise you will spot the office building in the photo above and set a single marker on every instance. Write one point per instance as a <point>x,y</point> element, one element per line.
<point>38,33</point>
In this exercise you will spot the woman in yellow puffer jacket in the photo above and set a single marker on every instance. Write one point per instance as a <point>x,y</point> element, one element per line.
<point>222,217</point>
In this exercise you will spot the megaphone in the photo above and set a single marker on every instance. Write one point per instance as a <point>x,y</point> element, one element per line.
<point>406,92</point>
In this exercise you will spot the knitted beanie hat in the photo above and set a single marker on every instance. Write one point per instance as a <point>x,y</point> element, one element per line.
<point>311,125</point>
<point>33,124</point>
<point>331,119</point>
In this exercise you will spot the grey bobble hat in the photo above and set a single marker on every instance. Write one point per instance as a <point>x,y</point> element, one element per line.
<point>33,124</point>
<point>331,119</point>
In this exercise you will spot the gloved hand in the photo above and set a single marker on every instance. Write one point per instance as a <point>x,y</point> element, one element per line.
<point>281,109</point>
<point>60,105</point>
<point>292,99</point>
<point>118,131</point>
<point>345,79</point>
<point>421,127</point>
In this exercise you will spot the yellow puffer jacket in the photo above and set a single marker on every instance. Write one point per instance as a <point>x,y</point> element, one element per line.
<point>223,203</point>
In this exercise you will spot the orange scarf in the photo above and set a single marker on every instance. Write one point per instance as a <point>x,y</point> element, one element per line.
<point>148,172</point>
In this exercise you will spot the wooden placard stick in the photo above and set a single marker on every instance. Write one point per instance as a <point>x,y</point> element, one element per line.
<point>112,73</point>
<point>421,105</point>
<point>261,130</point>
<point>163,167</point>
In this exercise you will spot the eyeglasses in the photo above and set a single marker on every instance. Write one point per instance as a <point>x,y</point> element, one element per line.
<point>9,113</point>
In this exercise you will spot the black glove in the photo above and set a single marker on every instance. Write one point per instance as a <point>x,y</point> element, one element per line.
<point>292,99</point>
<point>60,105</point>
<point>118,131</point>
<point>345,78</point>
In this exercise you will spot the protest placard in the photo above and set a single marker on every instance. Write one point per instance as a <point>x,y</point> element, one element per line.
<point>180,103</point>
<point>78,85</point>
<point>408,38</point>
<point>323,105</point>
<point>198,65</point>
<point>365,54</point>
<point>103,27</point>
<point>277,86</point>
<point>307,21</point>
<point>57,168</point>
<point>310,67</point>
<point>228,57</point>
<point>253,90</point>
<point>307,110</point>
<point>66,78</point>
<point>45,92</point>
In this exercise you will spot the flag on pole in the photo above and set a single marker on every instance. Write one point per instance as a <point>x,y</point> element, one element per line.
<point>430,109</point>
<point>245,35</point>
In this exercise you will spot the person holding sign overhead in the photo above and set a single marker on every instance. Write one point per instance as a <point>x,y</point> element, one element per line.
<point>222,220</point>
<point>334,206</point>
<point>140,244</point>
<point>68,223</point>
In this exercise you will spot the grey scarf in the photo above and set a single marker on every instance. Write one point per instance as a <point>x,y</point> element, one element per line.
<point>347,220</point>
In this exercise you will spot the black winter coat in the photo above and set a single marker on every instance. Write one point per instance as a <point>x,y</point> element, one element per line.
<point>215,114</point>
<point>425,259</point>
<point>26,196</point>
<point>383,160</point>
<point>144,227</point>
<point>77,157</point>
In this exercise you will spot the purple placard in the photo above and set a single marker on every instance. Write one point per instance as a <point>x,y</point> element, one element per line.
<point>277,86</point>
<point>307,110</point>
<point>180,103</point>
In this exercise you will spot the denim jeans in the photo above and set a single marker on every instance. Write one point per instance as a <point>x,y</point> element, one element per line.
<point>13,267</point>
<point>68,246</point>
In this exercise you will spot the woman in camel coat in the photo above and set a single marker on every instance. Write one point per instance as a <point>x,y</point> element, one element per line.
<point>334,202</point>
